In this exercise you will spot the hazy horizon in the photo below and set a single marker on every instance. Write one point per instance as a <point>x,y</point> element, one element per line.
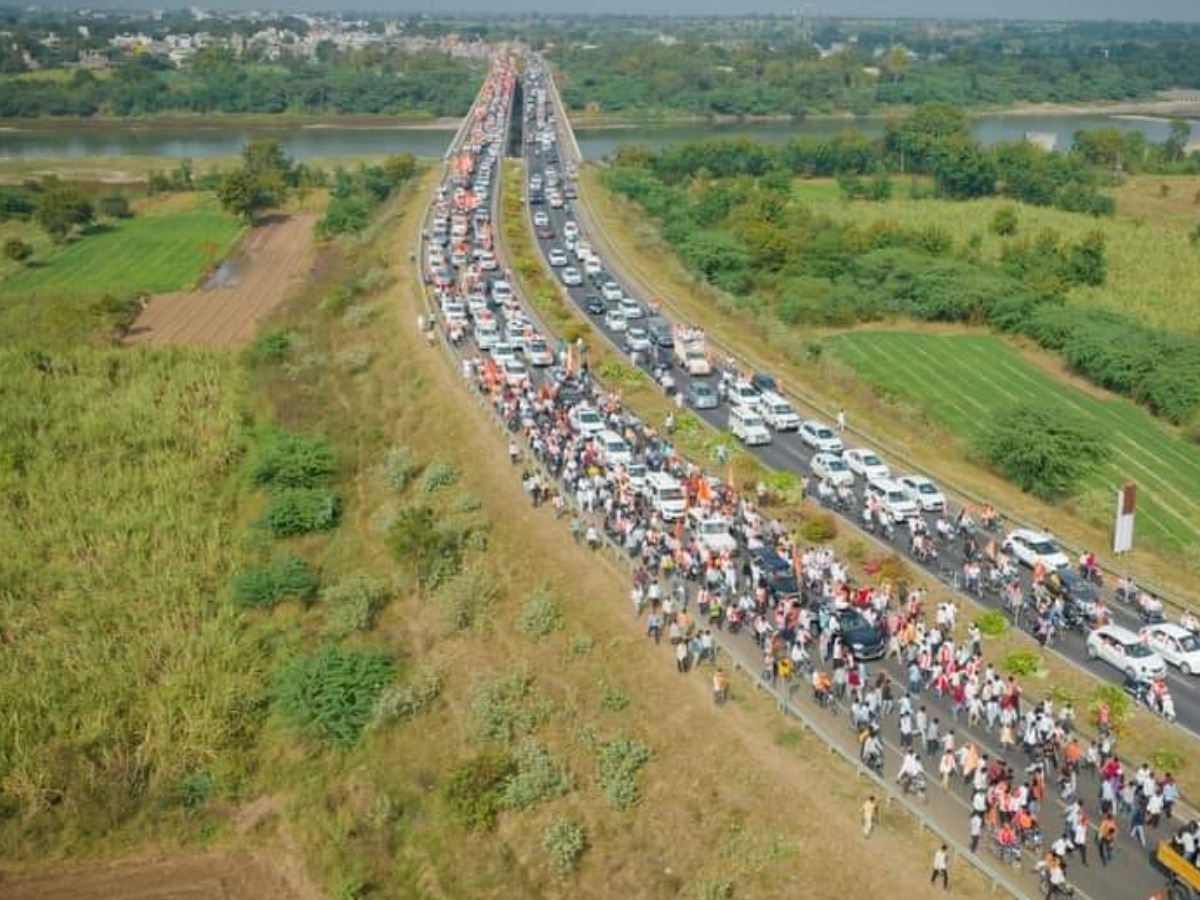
<point>1183,11</point>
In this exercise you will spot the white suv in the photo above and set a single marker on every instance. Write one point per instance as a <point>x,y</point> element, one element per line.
<point>923,492</point>
<point>866,464</point>
<point>1032,547</point>
<point>1124,650</point>
<point>748,426</point>
<point>892,499</point>
<point>820,436</point>
<point>778,413</point>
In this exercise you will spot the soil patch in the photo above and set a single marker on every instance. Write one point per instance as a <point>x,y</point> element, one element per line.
<point>271,260</point>
<point>229,875</point>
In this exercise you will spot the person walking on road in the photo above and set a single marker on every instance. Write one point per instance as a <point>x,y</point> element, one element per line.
<point>870,813</point>
<point>1106,836</point>
<point>841,420</point>
<point>941,868</point>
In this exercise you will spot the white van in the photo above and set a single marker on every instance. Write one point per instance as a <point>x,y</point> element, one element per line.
<point>665,495</point>
<point>748,426</point>
<point>616,451</point>
<point>487,335</point>
<point>778,413</point>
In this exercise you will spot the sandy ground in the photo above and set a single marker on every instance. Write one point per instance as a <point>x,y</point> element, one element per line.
<point>228,875</point>
<point>271,260</point>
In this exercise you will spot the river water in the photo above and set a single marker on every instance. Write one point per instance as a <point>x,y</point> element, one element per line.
<point>307,142</point>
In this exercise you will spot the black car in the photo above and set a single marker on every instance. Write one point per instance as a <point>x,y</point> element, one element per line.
<point>767,565</point>
<point>765,382</point>
<point>595,305</point>
<point>660,333</point>
<point>701,395</point>
<point>864,639</point>
<point>1066,584</point>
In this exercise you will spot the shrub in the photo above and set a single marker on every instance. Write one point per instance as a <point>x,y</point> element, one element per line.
<point>283,578</point>
<point>272,347</point>
<point>1120,706</point>
<point>564,842</point>
<point>1022,663</point>
<point>295,511</point>
<point>508,708</point>
<point>613,700</point>
<point>580,646</point>
<point>466,600</point>
<point>438,477</point>
<point>399,468</point>
<point>353,361</point>
<point>1044,452</point>
<point>359,314</point>
<point>537,777</point>
<point>115,206</point>
<point>330,695</point>
<point>991,624</point>
<point>1004,221</point>
<point>17,250</point>
<point>617,764</point>
<point>819,528</point>
<point>194,789</point>
<point>1165,759</point>
<point>353,604</point>
<point>540,616</point>
<point>474,790</point>
<point>397,702</point>
<point>422,545</point>
<point>291,460</point>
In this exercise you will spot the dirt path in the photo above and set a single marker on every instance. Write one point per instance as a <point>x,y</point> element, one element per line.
<point>229,875</point>
<point>271,260</point>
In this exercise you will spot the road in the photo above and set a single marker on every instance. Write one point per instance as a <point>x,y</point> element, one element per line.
<point>788,453</point>
<point>1131,875</point>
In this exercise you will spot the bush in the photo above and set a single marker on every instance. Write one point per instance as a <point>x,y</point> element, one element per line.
<point>991,624</point>
<point>399,468</point>
<point>564,842</point>
<point>467,599</point>
<point>617,764</point>
<point>283,578</point>
<point>819,528</point>
<point>423,545</point>
<point>438,477</point>
<point>353,604</point>
<point>474,790</point>
<point>115,206</point>
<point>296,511</point>
<point>613,700</point>
<point>1022,663</point>
<point>194,789</point>
<point>508,708</point>
<point>397,702</point>
<point>537,778</point>
<point>1120,706</point>
<point>330,696</point>
<point>540,616</point>
<point>1004,221</point>
<point>293,461</point>
<point>1045,452</point>
<point>272,347</point>
<point>17,250</point>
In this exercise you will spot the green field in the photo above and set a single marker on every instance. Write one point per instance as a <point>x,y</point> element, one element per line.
<point>1151,261</point>
<point>164,248</point>
<point>963,380</point>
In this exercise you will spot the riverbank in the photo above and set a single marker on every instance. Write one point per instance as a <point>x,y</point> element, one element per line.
<point>406,122</point>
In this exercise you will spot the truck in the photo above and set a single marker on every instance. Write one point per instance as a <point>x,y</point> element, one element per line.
<point>691,350</point>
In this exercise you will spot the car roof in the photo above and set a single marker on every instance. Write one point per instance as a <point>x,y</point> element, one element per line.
<point>1117,633</point>
<point>1168,628</point>
<point>917,479</point>
<point>1029,534</point>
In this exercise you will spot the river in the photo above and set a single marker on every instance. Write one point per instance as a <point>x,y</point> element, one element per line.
<point>309,141</point>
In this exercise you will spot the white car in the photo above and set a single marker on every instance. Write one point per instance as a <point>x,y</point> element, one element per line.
<point>583,251</point>
<point>892,499</point>
<point>487,261</point>
<point>743,393</point>
<point>571,277</point>
<point>557,256</point>
<point>778,413</point>
<point>501,291</point>
<point>820,436</point>
<point>592,266</point>
<point>570,229</point>
<point>866,464</point>
<point>637,339</point>
<point>1032,547</point>
<point>713,533</point>
<point>502,352</point>
<point>1175,644</point>
<point>1124,650</point>
<point>539,353</point>
<point>515,373</point>
<point>611,291</point>
<point>923,492</point>
<point>586,420</point>
<point>541,218</point>
<point>614,320</point>
<point>630,308</point>
<point>832,468</point>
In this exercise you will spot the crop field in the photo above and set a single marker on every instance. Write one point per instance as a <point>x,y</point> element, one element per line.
<point>1151,261</point>
<point>165,247</point>
<point>124,669</point>
<point>963,380</point>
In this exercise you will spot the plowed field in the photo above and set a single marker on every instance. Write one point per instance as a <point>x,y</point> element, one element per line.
<point>271,260</point>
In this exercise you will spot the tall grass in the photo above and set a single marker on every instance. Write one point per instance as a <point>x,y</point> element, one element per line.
<point>124,668</point>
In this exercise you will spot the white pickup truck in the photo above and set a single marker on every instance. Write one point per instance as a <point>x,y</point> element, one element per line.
<point>691,350</point>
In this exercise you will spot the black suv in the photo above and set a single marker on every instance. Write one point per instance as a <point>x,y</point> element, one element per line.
<point>861,636</point>
<point>778,573</point>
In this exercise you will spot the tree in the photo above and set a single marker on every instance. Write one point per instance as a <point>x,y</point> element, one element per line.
<point>239,193</point>
<point>400,167</point>
<point>1087,261</point>
<point>1045,451</point>
<point>1176,143</point>
<point>964,170</point>
<point>1004,222</point>
<point>17,250</point>
<point>62,207</point>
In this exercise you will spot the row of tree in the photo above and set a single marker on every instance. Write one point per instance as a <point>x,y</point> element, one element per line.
<point>779,260</point>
